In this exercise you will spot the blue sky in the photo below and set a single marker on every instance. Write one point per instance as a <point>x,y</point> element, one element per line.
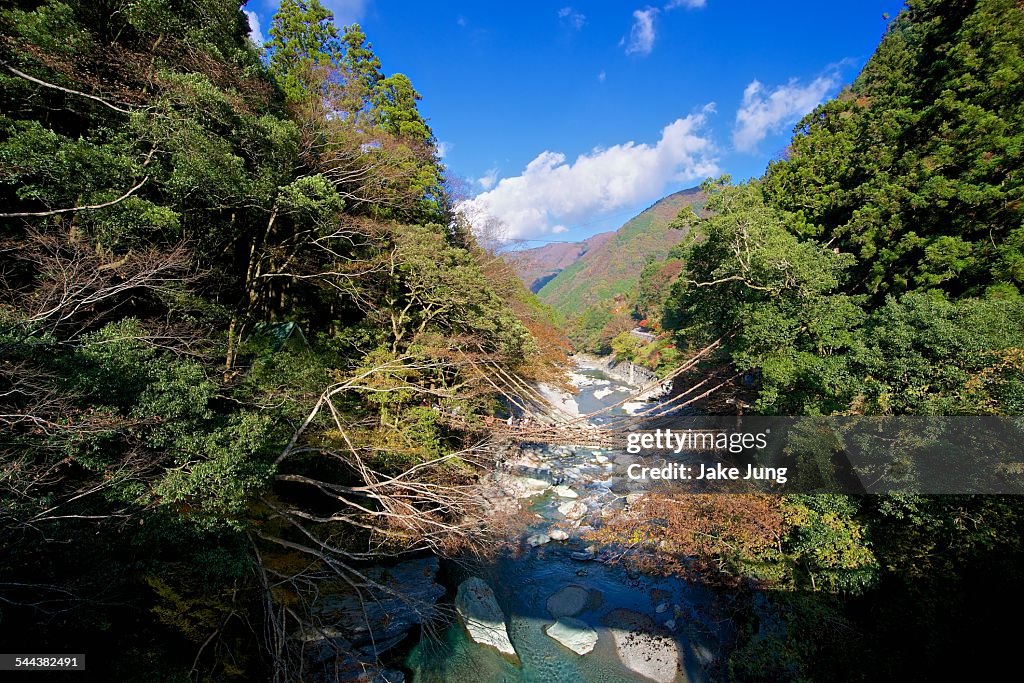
<point>565,119</point>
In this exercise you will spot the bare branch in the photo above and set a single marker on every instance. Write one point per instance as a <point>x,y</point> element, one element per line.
<point>69,91</point>
<point>89,207</point>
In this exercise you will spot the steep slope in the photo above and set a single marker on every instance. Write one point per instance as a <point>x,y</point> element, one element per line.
<point>536,267</point>
<point>612,269</point>
<point>598,294</point>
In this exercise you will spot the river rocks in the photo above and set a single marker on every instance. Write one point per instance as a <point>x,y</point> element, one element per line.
<point>565,492</point>
<point>476,604</point>
<point>583,556</point>
<point>379,618</point>
<point>558,535</point>
<point>521,487</point>
<point>641,648</point>
<point>355,629</point>
<point>617,504</point>
<point>560,401</point>
<point>526,458</point>
<point>633,498</point>
<point>535,540</point>
<point>573,634</point>
<point>573,509</point>
<point>568,602</point>
<point>624,485</point>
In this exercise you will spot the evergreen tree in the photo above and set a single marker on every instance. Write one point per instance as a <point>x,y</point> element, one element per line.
<point>304,46</point>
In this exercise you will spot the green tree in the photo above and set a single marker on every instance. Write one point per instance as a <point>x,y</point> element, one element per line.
<point>304,47</point>
<point>773,297</point>
<point>396,109</point>
<point>361,64</point>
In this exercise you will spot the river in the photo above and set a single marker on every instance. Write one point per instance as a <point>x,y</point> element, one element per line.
<point>647,627</point>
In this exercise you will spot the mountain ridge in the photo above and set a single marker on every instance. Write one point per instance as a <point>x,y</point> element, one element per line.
<point>539,265</point>
<point>612,268</point>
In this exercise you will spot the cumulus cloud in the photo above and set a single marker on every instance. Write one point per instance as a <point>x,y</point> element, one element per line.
<point>688,4</point>
<point>487,180</point>
<point>443,148</point>
<point>552,192</point>
<point>641,35</point>
<point>601,76</point>
<point>764,112</point>
<point>572,18</point>
<point>255,32</point>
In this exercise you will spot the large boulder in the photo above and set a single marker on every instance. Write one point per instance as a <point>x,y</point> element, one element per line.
<point>565,492</point>
<point>574,509</point>
<point>642,646</point>
<point>573,634</point>
<point>476,604</point>
<point>568,602</point>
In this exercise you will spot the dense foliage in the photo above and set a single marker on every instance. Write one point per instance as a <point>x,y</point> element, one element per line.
<point>873,271</point>
<point>237,317</point>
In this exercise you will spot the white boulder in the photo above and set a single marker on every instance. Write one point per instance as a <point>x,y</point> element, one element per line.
<point>573,634</point>
<point>565,492</point>
<point>641,648</point>
<point>476,604</point>
<point>573,509</point>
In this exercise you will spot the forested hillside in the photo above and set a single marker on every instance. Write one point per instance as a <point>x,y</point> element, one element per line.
<point>597,294</point>
<point>875,270</point>
<point>537,266</point>
<point>236,315</point>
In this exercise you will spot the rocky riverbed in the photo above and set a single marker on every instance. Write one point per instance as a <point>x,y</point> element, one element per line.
<point>566,612</point>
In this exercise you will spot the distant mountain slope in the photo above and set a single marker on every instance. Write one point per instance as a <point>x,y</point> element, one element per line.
<point>536,267</point>
<point>612,268</point>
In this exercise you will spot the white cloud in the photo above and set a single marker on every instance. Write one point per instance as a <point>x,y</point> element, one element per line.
<point>443,148</point>
<point>769,112</point>
<point>601,76</point>
<point>255,32</point>
<point>551,192</point>
<point>688,4</point>
<point>346,11</point>
<point>572,18</point>
<point>487,180</point>
<point>641,35</point>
